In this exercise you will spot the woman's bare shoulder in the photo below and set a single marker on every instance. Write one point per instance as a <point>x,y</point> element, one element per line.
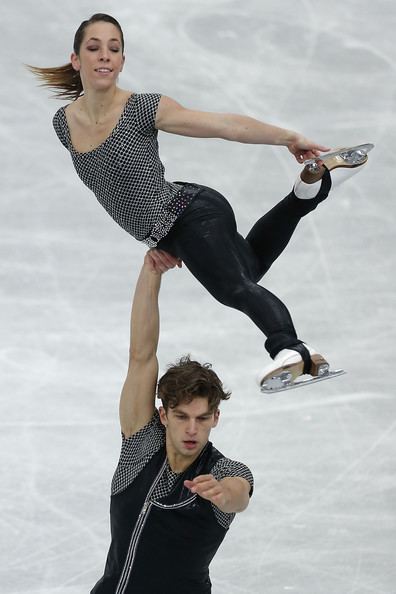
<point>73,107</point>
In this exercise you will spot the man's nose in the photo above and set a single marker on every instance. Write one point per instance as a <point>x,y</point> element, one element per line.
<point>192,427</point>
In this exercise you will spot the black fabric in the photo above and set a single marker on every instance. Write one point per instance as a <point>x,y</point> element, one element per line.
<point>175,545</point>
<point>229,266</point>
<point>306,357</point>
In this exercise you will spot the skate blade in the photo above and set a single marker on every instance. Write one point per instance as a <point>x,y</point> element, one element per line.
<point>284,381</point>
<point>360,149</point>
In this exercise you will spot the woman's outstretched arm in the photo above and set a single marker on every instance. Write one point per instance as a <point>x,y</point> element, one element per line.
<point>176,119</point>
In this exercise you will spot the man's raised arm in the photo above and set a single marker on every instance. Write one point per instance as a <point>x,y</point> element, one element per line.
<point>138,394</point>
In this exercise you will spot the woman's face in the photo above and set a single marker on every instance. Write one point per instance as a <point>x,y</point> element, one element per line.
<point>100,59</point>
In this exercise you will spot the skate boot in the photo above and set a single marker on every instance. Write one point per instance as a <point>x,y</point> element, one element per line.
<point>344,163</point>
<point>289,365</point>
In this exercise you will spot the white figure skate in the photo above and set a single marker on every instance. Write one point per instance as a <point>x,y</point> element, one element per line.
<point>286,371</point>
<point>350,157</point>
<point>342,163</point>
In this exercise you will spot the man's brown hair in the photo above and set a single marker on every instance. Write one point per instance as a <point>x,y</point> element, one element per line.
<point>186,380</point>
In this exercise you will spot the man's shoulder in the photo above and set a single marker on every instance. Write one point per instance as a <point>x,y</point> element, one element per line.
<point>136,451</point>
<point>224,467</point>
<point>154,426</point>
<point>145,441</point>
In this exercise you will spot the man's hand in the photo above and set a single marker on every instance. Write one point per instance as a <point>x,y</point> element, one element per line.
<point>161,261</point>
<point>230,495</point>
<point>207,487</point>
<point>138,393</point>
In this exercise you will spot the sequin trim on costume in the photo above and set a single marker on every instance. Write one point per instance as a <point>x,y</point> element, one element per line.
<point>174,209</point>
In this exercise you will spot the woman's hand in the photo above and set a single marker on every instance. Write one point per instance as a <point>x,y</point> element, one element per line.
<point>304,149</point>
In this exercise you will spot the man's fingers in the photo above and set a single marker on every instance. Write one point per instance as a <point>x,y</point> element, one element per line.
<point>203,485</point>
<point>165,257</point>
<point>151,262</point>
<point>194,485</point>
<point>212,493</point>
<point>170,259</point>
<point>207,487</point>
<point>206,490</point>
<point>163,260</point>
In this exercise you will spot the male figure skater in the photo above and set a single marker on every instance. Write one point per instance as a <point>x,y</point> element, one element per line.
<point>174,495</point>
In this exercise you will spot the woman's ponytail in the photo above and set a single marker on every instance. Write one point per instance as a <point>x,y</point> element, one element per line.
<point>64,80</point>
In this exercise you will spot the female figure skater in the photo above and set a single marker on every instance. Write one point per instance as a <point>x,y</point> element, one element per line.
<point>112,138</point>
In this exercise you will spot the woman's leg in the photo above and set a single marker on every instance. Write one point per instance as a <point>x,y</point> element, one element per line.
<point>206,239</point>
<point>273,231</point>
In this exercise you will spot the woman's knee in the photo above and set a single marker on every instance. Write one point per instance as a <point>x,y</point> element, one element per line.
<point>234,294</point>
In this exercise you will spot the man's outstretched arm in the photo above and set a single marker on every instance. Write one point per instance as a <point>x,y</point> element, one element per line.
<point>138,394</point>
<point>230,494</point>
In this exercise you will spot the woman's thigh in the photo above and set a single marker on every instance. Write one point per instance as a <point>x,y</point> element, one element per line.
<point>205,237</point>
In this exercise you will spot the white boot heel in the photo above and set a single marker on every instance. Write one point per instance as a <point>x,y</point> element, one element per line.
<point>286,371</point>
<point>291,361</point>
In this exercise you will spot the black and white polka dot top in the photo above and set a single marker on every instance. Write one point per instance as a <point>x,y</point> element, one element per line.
<point>126,174</point>
<point>137,451</point>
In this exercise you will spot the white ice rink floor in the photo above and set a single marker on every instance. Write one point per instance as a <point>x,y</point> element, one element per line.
<point>323,516</point>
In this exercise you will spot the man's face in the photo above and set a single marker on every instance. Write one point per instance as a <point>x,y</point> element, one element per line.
<point>188,427</point>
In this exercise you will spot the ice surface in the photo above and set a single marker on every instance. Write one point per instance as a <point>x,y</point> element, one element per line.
<point>322,519</point>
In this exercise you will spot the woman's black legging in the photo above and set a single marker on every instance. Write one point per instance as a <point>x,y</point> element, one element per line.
<point>229,266</point>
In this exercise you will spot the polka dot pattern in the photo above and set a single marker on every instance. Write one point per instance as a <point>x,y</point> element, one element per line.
<point>126,174</point>
<point>138,450</point>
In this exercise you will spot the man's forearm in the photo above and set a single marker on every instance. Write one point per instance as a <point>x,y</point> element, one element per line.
<point>145,314</point>
<point>236,495</point>
<point>137,401</point>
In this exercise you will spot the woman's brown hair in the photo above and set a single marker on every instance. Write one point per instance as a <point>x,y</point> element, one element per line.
<point>186,380</point>
<point>64,80</point>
